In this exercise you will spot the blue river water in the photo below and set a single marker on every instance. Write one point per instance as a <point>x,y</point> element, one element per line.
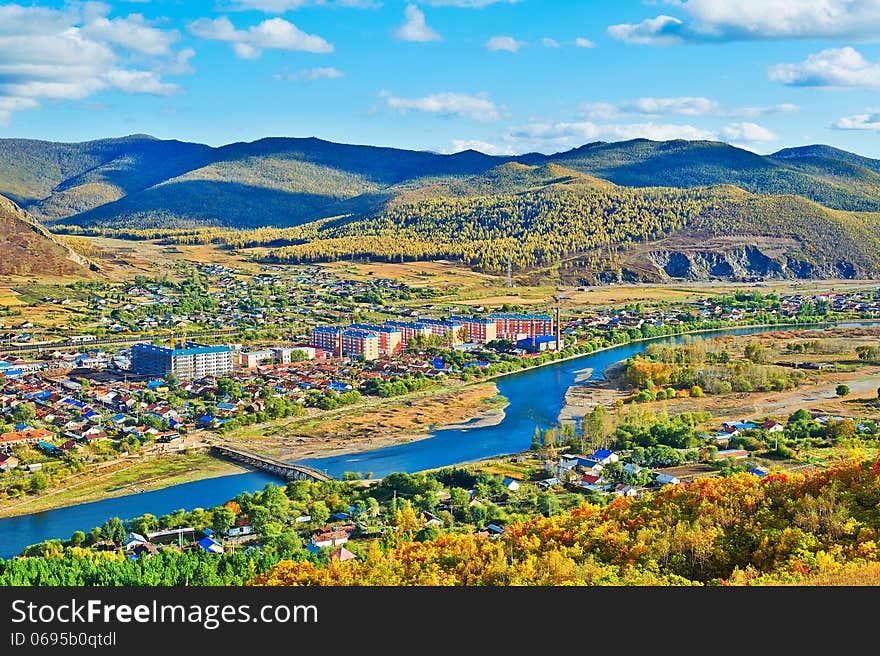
<point>535,399</point>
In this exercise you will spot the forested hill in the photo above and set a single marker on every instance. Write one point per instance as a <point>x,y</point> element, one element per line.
<point>589,230</point>
<point>27,248</point>
<point>143,182</point>
<point>741,530</point>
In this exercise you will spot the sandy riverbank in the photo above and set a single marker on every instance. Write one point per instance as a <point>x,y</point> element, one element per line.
<point>586,393</point>
<point>138,477</point>
<point>392,422</point>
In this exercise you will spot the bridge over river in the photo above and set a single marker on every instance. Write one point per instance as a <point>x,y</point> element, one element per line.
<point>280,468</point>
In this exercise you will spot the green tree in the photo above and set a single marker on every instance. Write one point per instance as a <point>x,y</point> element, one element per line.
<point>222,520</point>
<point>39,483</point>
<point>113,529</point>
<point>24,413</point>
<point>548,504</point>
<point>319,513</point>
<point>596,429</point>
<point>842,390</point>
<point>459,497</point>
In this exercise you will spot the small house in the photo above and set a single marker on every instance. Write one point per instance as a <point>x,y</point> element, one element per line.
<point>8,463</point>
<point>667,479</point>
<point>210,545</point>
<point>133,540</point>
<point>242,527</point>
<point>604,456</point>
<point>327,537</point>
<point>511,483</point>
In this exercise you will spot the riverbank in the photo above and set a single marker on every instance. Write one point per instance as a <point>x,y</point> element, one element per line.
<point>390,422</point>
<point>141,476</point>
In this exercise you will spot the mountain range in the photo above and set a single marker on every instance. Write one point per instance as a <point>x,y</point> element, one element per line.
<point>807,211</point>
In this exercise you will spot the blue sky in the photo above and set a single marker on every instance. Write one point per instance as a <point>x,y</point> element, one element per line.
<point>502,76</point>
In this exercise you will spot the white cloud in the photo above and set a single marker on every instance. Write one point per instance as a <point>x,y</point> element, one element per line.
<point>469,4</point>
<point>722,20</point>
<point>485,147</point>
<point>133,33</point>
<point>750,132</point>
<point>581,42</point>
<point>281,6</point>
<point>547,42</point>
<point>415,28</point>
<point>834,67</point>
<point>659,31</point>
<point>75,52</point>
<point>687,105</point>
<point>859,122</point>
<point>755,112</point>
<point>8,106</point>
<point>549,136</point>
<point>310,74</point>
<point>681,105</point>
<point>273,33</point>
<point>507,43</point>
<point>573,134</point>
<point>648,106</point>
<point>478,107</point>
<point>600,110</point>
<point>140,82</point>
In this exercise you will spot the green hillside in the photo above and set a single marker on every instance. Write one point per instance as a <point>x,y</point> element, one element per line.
<point>826,153</point>
<point>639,209</point>
<point>246,185</point>
<point>143,182</point>
<point>684,164</point>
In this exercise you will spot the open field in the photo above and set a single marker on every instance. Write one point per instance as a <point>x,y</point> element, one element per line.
<point>697,290</point>
<point>371,426</point>
<point>124,259</point>
<point>9,297</point>
<point>139,476</point>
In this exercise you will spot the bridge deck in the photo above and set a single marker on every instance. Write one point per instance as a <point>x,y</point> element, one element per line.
<point>271,464</point>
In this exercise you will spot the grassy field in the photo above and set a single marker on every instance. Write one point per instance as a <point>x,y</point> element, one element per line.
<point>136,478</point>
<point>867,574</point>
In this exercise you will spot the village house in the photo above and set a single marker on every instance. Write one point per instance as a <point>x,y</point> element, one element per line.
<point>331,537</point>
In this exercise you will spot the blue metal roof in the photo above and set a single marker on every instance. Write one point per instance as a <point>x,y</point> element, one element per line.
<point>373,329</point>
<point>527,317</point>
<point>478,320</point>
<point>189,349</point>
<point>405,324</point>
<point>359,333</point>
<point>537,339</point>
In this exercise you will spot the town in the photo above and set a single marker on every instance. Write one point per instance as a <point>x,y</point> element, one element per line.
<point>312,342</point>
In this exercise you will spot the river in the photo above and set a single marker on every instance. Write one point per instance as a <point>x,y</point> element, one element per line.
<point>535,399</point>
